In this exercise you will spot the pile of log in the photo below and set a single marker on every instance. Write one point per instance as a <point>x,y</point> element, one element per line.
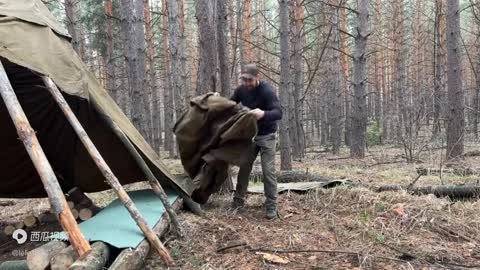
<point>291,177</point>
<point>58,255</point>
<point>453,192</point>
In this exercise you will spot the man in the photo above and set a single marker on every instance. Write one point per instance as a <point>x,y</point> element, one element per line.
<point>260,97</point>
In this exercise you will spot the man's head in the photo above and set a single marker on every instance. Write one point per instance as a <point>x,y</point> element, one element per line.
<point>249,77</point>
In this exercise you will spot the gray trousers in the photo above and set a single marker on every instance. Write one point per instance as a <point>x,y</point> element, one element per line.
<point>265,145</point>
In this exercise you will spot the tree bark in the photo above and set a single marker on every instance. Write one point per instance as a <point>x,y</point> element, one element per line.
<point>174,35</point>
<point>135,91</point>
<point>168,101</point>
<point>141,94</point>
<point>299,146</point>
<point>110,56</point>
<point>285,152</point>
<point>152,84</point>
<point>207,78</point>
<point>345,73</point>
<point>359,114</point>
<point>335,117</point>
<point>456,120</point>
<point>440,65</point>
<point>223,52</point>
<point>246,31</point>
<point>182,53</point>
<point>72,12</point>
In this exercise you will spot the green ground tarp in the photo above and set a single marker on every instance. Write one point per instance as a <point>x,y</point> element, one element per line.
<point>114,225</point>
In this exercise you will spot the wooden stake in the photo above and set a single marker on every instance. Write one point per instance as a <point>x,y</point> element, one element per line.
<point>58,203</point>
<point>107,172</point>
<point>153,181</point>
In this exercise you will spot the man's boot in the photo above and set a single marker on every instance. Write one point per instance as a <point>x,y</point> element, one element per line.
<point>271,211</point>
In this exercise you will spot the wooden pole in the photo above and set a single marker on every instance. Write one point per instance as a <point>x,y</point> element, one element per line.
<point>107,173</point>
<point>156,187</point>
<point>58,203</point>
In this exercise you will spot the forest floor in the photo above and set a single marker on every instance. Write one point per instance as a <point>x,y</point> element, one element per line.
<point>347,227</point>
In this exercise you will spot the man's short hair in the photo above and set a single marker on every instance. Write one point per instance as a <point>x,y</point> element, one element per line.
<point>249,71</point>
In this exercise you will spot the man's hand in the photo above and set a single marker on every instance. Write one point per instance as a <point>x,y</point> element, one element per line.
<point>258,113</point>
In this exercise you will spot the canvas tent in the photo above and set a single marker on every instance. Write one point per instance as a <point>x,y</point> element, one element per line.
<point>32,44</point>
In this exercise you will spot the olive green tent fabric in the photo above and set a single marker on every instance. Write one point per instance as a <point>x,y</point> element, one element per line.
<point>32,11</point>
<point>212,134</point>
<point>32,44</point>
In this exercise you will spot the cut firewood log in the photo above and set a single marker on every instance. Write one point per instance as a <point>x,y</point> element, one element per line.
<point>64,259</point>
<point>71,204</point>
<point>9,230</point>
<point>47,217</point>
<point>30,221</point>
<point>85,214</point>
<point>39,258</point>
<point>75,213</point>
<point>14,265</point>
<point>133,259</point>
<point>19,225</point>
<point>454,192</point>
<point>95,260</point>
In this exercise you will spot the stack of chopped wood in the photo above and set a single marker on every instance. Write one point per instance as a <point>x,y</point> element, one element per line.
<point>58,255</point>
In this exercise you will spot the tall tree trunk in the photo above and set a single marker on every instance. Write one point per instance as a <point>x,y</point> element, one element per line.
<point>285,154</point>
<point>335,102</point>
<point>440,68</point>
<point>298,150</point>
<point>174,34</point>
<point>141,93</point>
<point>456,120</point>
<point>110,57</point>
<point>222,45</point>
<point>400,65</point>
<point>168,99</point>
<point>233,40</point>
<point>476,102</point>
<point>207,79</point>
<point>247,34</point>
<point>345,73</point>
<point>359,114</point>
<point>182,53</point>
<point>152,83</point>
<point>239,34</point>
<point>379,80</point>
<point>72,12</point>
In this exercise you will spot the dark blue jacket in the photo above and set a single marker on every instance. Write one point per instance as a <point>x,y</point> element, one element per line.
<point>262,97</point>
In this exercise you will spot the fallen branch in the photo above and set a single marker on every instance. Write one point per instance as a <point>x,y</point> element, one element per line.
<point>474,153</point>
<point>292,177</point>
<point>456,171</point>
<point>233,245</point>
<point>456,192</point>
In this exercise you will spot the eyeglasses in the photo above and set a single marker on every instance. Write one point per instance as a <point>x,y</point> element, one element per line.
<point>247,79</point>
